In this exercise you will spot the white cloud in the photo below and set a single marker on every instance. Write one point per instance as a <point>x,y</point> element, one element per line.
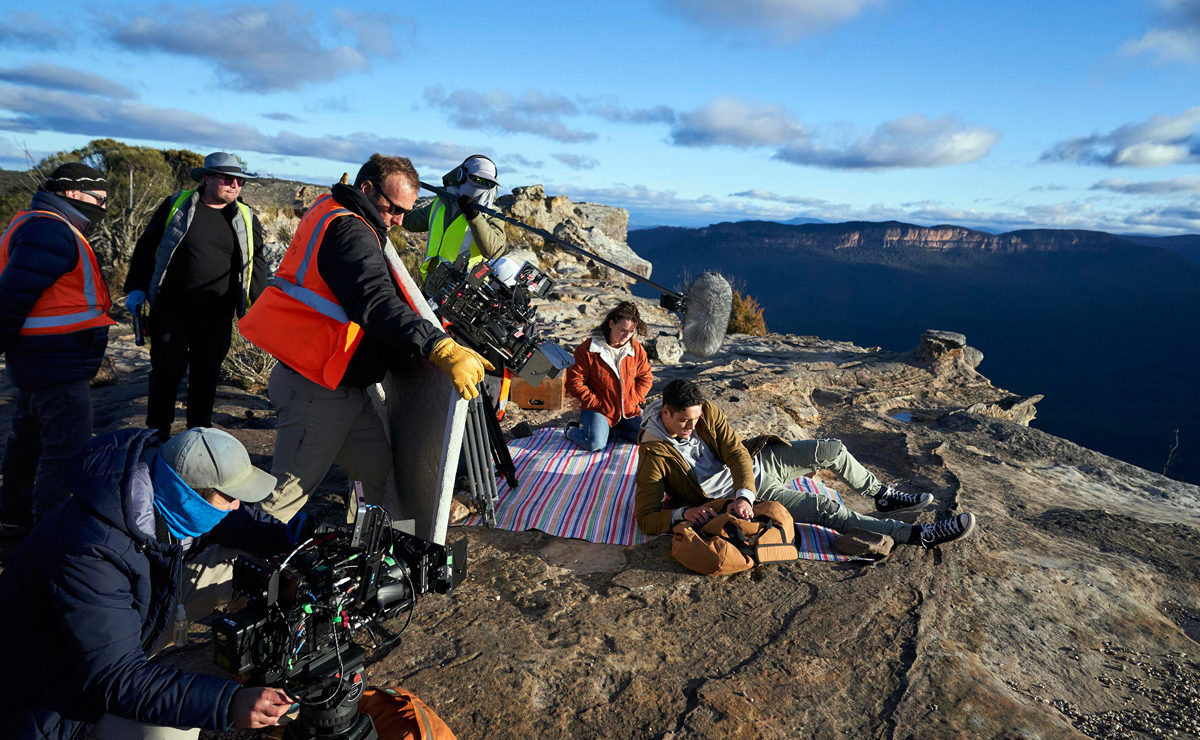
<point>54,77</point>
<point>1176,38</point>
<point>797,200</point>
<point>577,161</point>
<point>270,47</point>
<point>1156,142</point>
<point>733,122</point>
<point>23,28</point>
<point>31,109</point>
<point>1166,46</point>
<point>780,20</point>
<point>610,109</point>
<point>531,113</point>
<point>914,141</point>
<point>1150,187</point>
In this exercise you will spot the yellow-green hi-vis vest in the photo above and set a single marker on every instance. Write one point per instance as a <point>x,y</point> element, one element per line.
<point>446,242</point>
<point>176,229</point>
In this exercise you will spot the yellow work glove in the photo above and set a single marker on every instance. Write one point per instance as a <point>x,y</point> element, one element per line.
<point>464,365</point>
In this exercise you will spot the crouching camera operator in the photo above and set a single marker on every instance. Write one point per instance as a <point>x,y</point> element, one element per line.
<point>93,589</point>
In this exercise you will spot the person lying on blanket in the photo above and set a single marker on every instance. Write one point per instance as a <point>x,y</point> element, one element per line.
<point>611,377</point>
<point>689,453</point>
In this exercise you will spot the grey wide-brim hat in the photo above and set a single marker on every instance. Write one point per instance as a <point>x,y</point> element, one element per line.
<point>221,163</point>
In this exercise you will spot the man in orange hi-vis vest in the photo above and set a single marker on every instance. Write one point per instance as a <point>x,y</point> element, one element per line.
<point>335,317</point>
<point>54,330</point>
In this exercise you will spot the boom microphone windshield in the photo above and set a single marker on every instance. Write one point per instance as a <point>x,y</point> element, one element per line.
<point>706,309</point>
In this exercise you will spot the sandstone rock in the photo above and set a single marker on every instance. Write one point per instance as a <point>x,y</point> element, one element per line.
<point>935,343</point>
<point>600,230</point>
<point>1017,409</point>
<point>664,348</point>
<point>972,356</point>
<point>613,222</point>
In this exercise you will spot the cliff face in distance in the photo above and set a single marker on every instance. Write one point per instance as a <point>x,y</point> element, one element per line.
<point>893,235</point>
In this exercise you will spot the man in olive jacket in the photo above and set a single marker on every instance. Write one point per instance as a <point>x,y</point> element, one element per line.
<point>692,465</point>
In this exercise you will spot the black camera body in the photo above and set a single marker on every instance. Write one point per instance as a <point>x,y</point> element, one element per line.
<point>494,319</point>
<point>303,608</point>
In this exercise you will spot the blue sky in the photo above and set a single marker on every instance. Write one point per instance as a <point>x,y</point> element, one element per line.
<point>993,115</point>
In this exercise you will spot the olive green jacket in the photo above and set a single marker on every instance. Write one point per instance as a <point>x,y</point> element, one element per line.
<point>665,481</point>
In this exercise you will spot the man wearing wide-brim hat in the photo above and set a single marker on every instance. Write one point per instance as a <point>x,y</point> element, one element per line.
<point>198,264</point>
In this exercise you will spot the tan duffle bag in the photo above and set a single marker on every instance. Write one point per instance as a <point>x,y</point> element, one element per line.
<point>726,544</point>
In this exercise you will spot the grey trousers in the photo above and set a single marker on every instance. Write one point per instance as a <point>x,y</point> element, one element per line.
<point>318,427</point>
<point>780,463</point>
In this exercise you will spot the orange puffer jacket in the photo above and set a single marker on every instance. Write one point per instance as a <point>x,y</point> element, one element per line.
<point>596,385</point>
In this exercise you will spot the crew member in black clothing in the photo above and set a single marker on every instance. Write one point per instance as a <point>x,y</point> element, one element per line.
<point>198,263</point>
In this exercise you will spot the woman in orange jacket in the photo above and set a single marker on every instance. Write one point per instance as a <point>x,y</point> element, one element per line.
<point>611,377</point>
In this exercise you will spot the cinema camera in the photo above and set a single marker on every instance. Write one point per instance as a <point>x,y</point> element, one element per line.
<point>305,608</point>
<point>496,319</point>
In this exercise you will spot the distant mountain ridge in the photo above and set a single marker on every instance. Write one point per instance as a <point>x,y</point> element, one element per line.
<point>884,235</point>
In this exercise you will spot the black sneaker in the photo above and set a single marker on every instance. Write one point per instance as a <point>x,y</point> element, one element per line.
<point>891,501</point>
<point>947,530</point>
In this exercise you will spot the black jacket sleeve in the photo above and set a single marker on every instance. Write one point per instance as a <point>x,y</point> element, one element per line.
<point>141,264</point>
<point>353,267</point>
<point>259,273</point>
<point>41,251</point>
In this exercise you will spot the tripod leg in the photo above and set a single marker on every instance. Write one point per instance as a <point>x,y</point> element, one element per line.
<point>504,461</point>
<point>479,464</point>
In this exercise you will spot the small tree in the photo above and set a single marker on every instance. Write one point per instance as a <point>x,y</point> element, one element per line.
<point>747,316</point>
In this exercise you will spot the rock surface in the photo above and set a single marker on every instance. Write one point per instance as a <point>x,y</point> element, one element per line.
<point>1073,611</point>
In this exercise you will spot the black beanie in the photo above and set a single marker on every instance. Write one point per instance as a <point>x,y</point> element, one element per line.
<point>74,176</point>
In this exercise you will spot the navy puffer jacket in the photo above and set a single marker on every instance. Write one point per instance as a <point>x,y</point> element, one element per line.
<point>41,251</point>
<point>90,591</point>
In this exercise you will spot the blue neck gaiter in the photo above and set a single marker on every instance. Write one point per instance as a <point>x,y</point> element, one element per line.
<point>184,511</point>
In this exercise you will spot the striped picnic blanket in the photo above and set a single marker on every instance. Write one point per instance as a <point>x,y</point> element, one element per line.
<point>566,492</point>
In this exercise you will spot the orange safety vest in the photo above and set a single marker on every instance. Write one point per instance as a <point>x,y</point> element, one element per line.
<point>77,300</point>
<point>297,319</point>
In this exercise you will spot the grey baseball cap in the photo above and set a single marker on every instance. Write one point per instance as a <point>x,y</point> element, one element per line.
<point>210,458</point>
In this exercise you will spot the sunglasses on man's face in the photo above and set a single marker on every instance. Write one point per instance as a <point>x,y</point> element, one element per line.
<point>481,182</point>
<point>101,198</point>
<point>231,180</point>
<point>395,210</point>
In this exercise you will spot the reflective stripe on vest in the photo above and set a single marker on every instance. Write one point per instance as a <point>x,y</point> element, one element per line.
<point>297,318</point>
<point>77,300</point>
<point>447,242</point>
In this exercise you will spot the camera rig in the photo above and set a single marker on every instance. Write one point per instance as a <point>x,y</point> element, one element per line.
<point>304,609</point>
<point>495,319</point>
